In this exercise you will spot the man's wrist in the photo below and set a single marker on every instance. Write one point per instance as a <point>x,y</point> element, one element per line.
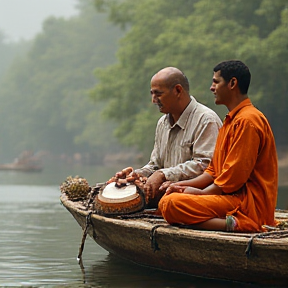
<point>143,172</point>
<point>162,175</point>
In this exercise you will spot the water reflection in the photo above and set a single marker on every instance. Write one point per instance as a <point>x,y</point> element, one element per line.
<point>39,240</point>
<point>33,231</point>
<point>117,273</point>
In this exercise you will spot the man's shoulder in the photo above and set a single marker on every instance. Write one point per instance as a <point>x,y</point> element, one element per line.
<point>205,108</point>
<point>250,112</point>
<point>201,107</point>
<point>251,115</point>
<point>207,112</point>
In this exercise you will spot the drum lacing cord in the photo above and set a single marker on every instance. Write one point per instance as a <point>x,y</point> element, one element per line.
<point>272,234</point>
<point>154,244</point>
<point>85,231</point>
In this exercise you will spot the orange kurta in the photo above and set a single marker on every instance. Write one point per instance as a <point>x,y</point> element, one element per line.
<point>245,166</point>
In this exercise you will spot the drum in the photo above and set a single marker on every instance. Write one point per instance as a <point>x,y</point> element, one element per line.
<point>112,200</point>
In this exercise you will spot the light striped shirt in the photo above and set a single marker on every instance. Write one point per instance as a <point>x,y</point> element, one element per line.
<point>184,150</point>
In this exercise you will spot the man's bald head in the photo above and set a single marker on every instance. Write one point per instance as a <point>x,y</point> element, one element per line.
<point>172,76</point>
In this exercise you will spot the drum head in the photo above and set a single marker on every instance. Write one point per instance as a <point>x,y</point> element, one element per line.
<point>113,194</point>
<point>112,200</point>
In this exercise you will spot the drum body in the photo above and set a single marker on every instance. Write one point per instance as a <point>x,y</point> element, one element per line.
<point>112,200</point>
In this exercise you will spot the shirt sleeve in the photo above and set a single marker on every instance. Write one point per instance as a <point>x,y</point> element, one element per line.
<point>240,158</point>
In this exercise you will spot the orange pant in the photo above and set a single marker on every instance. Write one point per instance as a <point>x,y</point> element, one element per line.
<point>189,209</point>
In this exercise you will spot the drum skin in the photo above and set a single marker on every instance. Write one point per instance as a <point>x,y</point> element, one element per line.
<point>118,201</point>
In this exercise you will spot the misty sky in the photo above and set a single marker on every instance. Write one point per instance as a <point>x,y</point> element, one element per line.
<point>22,19</point>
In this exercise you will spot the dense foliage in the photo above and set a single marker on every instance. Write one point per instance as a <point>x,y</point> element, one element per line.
<point>44,96</point>
<point>46,101</point>
<point>194,35</point>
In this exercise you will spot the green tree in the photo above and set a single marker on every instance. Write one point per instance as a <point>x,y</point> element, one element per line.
<point>272,72</point>
<point>45,100</point>
<point>126,84</point>
<point>193,36</point>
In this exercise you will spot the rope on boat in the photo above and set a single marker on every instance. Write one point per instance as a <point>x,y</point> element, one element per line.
<point>139,216</point>
<point>94,191</point>
<point>272,234</point>
<point>154,244</point>
<point>85,231</point>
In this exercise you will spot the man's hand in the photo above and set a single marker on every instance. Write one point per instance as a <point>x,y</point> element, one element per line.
<point>123,174</point>
<point>175,188</point>
<point>164,186</point>
<point>151,188</point>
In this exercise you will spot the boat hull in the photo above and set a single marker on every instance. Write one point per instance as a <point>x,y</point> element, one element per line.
<point>211,254</point>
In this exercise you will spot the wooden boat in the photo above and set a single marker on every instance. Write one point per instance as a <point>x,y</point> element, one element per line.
<point>148,240</point>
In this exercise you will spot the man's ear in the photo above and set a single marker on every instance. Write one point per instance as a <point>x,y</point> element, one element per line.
<point>178,88</point>
<point>233,82</point>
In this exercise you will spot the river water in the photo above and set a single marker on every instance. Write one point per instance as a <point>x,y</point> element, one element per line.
<point>39,239</point>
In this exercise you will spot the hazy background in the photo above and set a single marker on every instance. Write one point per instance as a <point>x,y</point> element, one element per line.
<point>49,50</point>
<point>23,19</point>
<point>75,90</point>
<point>75,74</point>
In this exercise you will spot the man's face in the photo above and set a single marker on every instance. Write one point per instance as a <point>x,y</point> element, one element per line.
<point>220,89</point>
<point>162,96</point>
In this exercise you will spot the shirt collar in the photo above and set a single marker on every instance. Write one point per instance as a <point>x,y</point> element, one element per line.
<point>232,113</point>
<point>185,114</point>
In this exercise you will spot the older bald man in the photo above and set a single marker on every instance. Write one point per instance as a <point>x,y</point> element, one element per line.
<point>185,136</point>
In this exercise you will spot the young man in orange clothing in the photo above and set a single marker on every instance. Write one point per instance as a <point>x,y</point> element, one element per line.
<point>238,190</point>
